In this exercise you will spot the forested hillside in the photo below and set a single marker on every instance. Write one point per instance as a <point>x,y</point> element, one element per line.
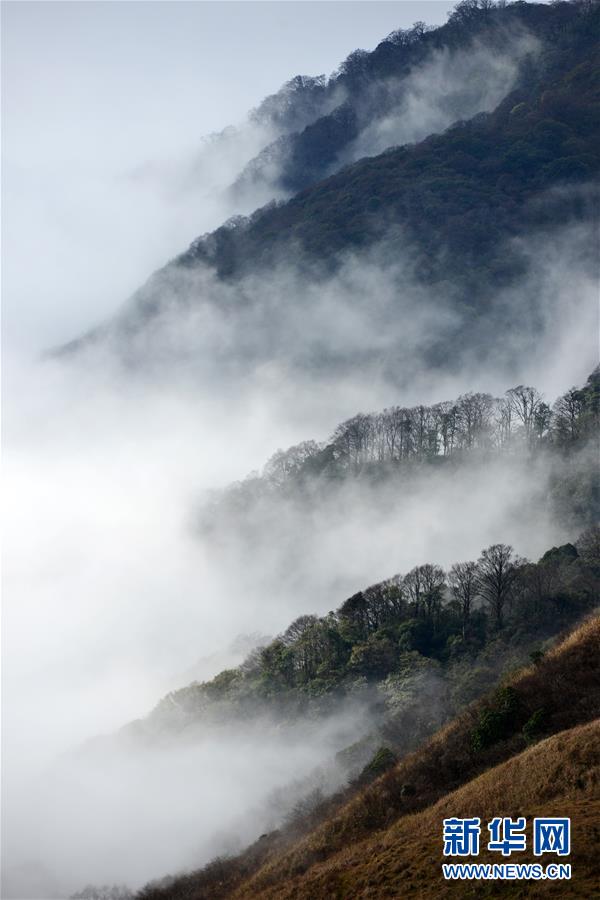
<point>416,649</point>
<point>413,623</point>
<point>416,635</point>
<point>456,215</point>
<point>463,191</point>
<point>371,96</point>
<point>385,452</point>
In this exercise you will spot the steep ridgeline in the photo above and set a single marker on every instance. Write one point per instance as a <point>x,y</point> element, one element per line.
<point>558,776</point>
<point>542,133</point>
<point>416,81</point>
<point>455,224</point>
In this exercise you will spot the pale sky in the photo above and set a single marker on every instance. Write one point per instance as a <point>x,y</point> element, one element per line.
<point>94,93</point>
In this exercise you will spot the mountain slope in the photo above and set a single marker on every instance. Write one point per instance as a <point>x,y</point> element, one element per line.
<point>374,495</point>
<point>460,190</point>
<point>448,224</point>
<point>333,858</point>
<point>465,67</point>
<point>557,777</point>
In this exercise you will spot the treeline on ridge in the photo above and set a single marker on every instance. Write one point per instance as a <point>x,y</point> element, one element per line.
<point>409,635</point>
<point>422,692</point>
<point>379,445</point>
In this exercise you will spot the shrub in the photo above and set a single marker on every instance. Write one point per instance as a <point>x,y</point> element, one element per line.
<point>496,722</point>
<point>383,760</point>
<point>534,727</point>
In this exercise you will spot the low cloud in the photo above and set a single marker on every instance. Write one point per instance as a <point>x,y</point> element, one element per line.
<point>105,466</point>
<point>451,85</point>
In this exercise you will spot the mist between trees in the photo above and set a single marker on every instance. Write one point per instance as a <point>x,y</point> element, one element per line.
<point>414,650</point>
<point>472,421</point>
<point>376,444</point>
<point>438,614</point>
<point>392,627</point>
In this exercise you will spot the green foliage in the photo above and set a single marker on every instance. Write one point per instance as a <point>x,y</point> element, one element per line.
<point>564,552</point>
<point>536,657</point>
<point>413,634</point>
<point>279,671</point>
<point>534,726</point>
<point>382,647</point>
<point>375,657</point>
<point>497,721</point>
<point>382,760</point>
<point>222,684</point>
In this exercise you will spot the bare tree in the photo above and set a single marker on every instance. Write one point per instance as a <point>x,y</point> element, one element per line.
<point>463,581</point>
<point>497,573</point>
<point>379,437</point>
<point>567,414</point>
<point>424,587</point>
<point>384,601</point>
<point>298,627</point>
<point>286,463</point>
<point>353,438</point>
<point>475,413</point>
<point>413,585</point>
<point>525,403</point>
<point>393,430</point>
<point>446,415</point>
<point>420,416</point>
<point>503,421</point>
<point>433,580</point>
<point>588,544</point>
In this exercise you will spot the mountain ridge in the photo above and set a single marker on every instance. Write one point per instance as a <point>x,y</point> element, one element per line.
<point>452,207</point>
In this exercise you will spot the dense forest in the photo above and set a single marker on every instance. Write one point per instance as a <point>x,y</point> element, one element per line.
<point>406,632</point>
<point>402,630</point>
<point>309,153</point>
<point>454,213</point>
<point>463,191</point>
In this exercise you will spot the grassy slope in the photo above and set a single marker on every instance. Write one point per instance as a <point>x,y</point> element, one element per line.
<point>559,776</point>
<point>566,684</point>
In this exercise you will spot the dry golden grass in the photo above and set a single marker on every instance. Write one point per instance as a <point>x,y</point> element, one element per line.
<point>386,842</point>
<point>566,684</point>
<point>559,776</point>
